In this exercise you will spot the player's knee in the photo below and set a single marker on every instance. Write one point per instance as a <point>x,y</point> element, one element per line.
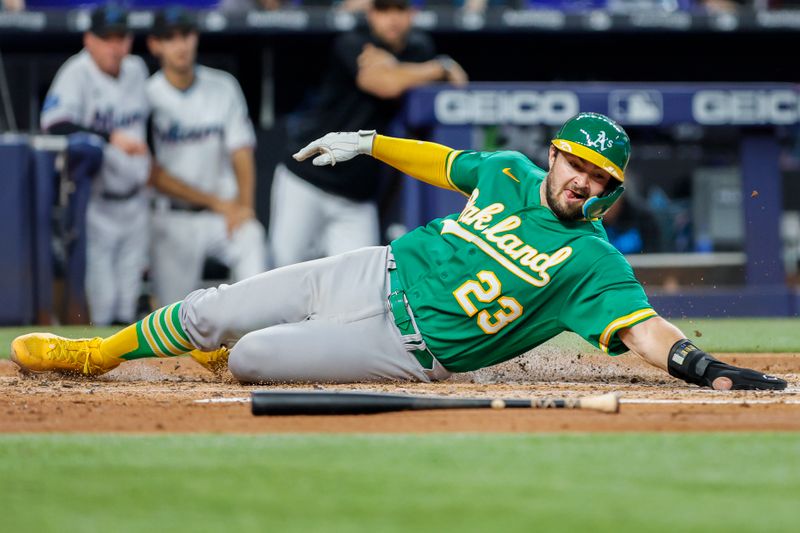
<point>246,359</point>
<point>203,319</point>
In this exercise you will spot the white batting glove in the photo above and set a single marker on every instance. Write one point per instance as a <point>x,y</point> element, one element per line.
<point>338,146</point>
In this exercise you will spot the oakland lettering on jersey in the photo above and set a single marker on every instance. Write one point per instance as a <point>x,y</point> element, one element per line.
<point>175,133</point>
<point>505,242</point>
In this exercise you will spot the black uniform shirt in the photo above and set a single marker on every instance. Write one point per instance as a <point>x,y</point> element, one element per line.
<point>342,106</point>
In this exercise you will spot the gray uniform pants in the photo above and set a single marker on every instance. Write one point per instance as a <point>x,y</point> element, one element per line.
<point>320,321</point>
<point>183,239</point>
<point>307,222</point>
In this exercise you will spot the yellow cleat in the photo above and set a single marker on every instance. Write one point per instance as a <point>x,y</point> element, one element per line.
<point>216,361</point>
<point>45,352</point>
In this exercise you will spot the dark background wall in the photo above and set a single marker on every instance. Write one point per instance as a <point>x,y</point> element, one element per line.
<point>279,70</point>
<point>298,59</point>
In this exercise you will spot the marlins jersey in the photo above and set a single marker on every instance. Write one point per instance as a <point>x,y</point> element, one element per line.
<point>83,94</point>
<point>195,131</point>
<point>506,275</point>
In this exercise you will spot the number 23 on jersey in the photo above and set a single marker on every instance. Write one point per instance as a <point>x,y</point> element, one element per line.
<point>486,289</point>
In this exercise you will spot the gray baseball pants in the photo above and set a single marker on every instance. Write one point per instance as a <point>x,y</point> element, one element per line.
<point>307,222</point>
<point>321,321</point>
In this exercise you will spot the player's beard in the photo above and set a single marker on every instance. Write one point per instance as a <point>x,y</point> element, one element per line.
<point>562,211</point>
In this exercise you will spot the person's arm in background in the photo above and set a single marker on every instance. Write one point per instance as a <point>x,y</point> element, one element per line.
<point>244,167</point>
<point>173,186</point>
<point>117,138</point>
<point>240,141</point>
<point>381,75</point>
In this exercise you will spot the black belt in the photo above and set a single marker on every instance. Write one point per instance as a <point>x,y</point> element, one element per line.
<point>118,196</point>
<point>402,318</point>
<point>175,206</point>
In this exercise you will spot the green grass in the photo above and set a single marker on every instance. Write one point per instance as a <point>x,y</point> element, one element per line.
<point>743,334</point>
<point>715,335</point>
<point>598,482</point>
<point>726,335</point>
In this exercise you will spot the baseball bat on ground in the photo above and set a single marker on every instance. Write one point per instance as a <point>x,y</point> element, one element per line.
<point>357,403</point>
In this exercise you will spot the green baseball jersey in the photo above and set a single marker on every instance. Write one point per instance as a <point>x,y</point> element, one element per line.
<point>506,275</point>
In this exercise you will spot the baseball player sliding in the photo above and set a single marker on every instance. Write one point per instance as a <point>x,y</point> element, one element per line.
<point>203,141</point>
<point>526,259</point>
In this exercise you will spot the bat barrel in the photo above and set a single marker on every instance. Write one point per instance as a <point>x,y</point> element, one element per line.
<point>344,403</point>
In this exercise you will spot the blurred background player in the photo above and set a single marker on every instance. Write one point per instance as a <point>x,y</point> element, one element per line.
<point>631,225</point>
<point>205,169</point>
<point>322,211</point>
<point>101,90</point>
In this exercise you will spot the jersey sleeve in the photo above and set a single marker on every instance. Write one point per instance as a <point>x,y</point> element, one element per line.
<point>462,169</point>
<point>604,300</point>
<point>238,127</point>
<point>64,101</point>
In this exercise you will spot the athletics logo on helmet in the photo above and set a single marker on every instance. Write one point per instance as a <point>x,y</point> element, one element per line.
<point>597,139</point>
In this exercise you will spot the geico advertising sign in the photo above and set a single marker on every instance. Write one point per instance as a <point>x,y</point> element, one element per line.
<point>746,107</point>
<point>505,107</point>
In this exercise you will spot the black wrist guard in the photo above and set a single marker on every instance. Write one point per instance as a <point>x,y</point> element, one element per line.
<point>693,365</point>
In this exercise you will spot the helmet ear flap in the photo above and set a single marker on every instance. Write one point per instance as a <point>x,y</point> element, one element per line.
<point>597,206</point>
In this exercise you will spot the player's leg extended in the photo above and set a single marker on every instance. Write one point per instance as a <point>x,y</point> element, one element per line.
<point>209,319</point>
<point>341,289</point>
<point>369,349</point>
<point>295,218</point>
<point>159,334</point>
<point>349,334</point>
<point>352,225</point>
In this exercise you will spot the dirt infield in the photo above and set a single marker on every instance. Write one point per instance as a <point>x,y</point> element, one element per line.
<point>177,395</point>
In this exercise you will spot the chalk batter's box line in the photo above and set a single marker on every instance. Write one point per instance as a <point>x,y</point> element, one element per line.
<point>223,400</point>
<point>628,401</point>
<point>642,401</point>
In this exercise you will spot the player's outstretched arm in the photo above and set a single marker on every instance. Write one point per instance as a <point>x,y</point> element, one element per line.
<point>336,147</point>
<point>665,346</point>
<point>425,161</point>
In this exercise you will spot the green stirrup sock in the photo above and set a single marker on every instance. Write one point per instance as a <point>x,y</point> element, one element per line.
<point>159,334</point>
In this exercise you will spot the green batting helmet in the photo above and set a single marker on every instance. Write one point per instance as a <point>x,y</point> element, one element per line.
<point>598,139</point>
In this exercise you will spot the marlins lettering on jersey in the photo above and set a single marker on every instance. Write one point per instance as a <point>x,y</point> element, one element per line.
<point>174,132</point>
<point>196,130</point>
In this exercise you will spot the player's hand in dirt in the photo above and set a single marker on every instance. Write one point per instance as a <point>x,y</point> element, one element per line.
<point>339,146</point>
<point>722,376</point>
<point>127,144</point>
<point>691,364</point>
